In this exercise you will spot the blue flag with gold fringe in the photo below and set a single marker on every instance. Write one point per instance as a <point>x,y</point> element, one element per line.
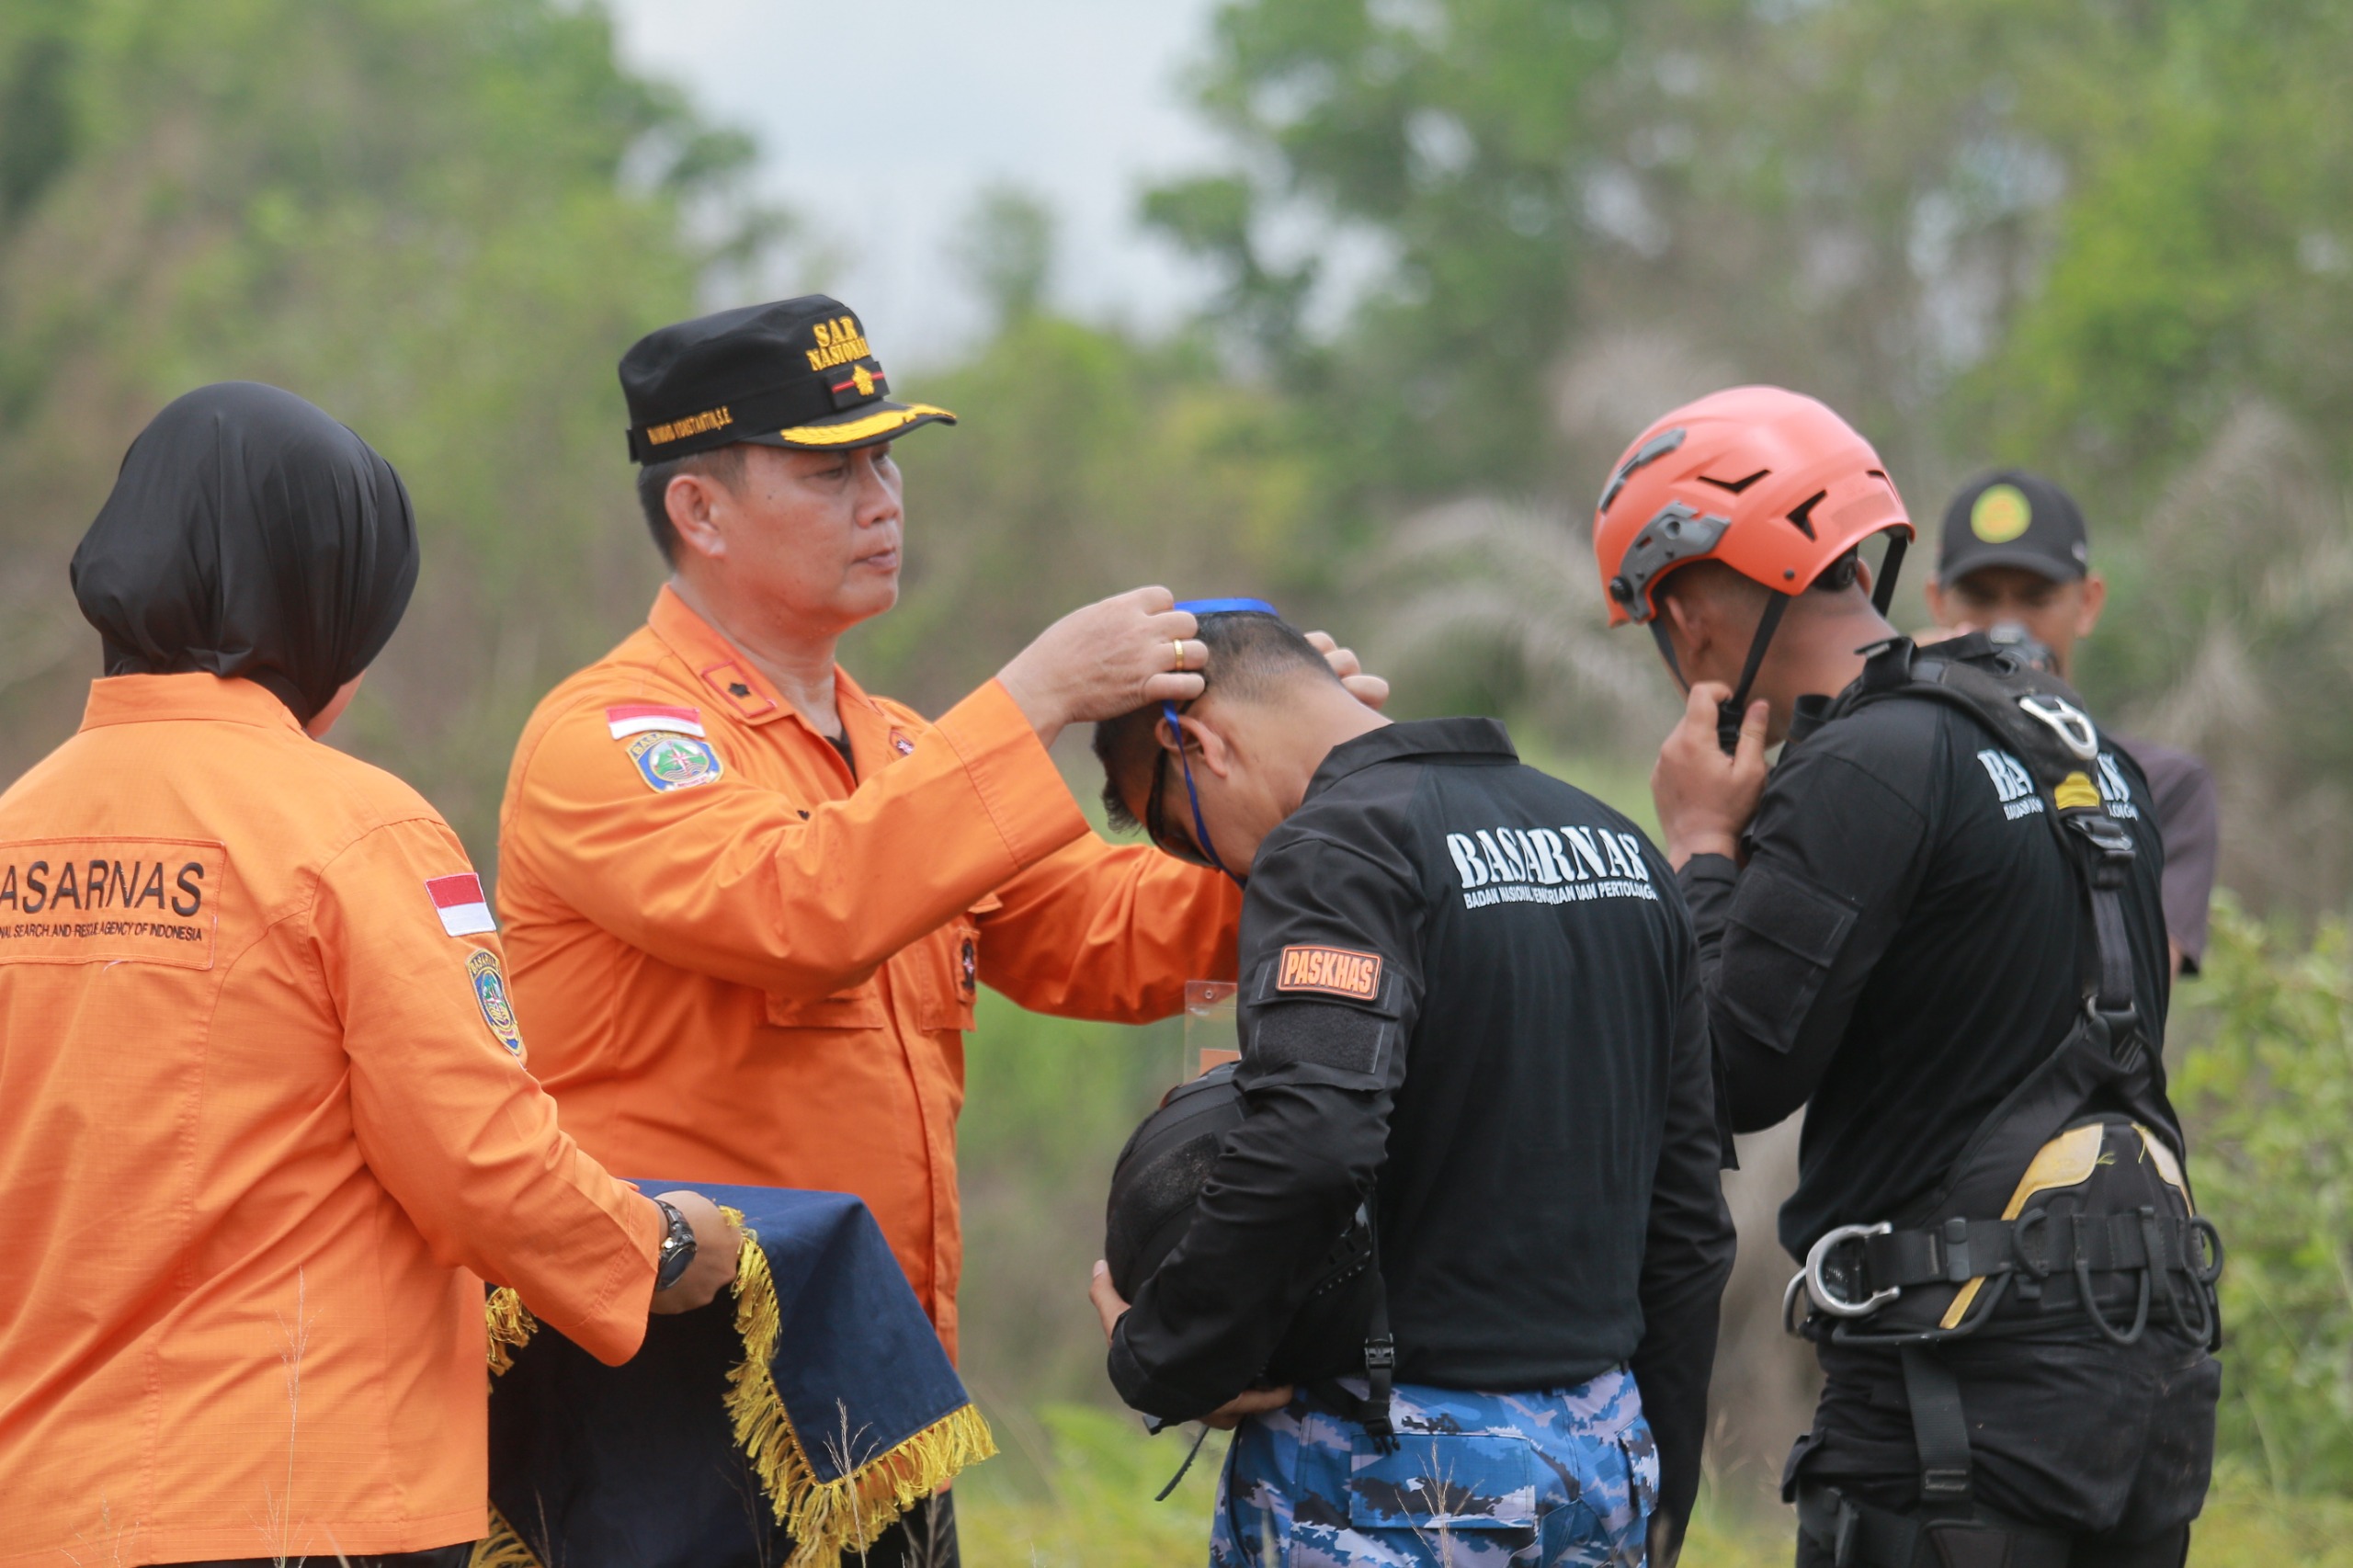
<point>796,1417</point>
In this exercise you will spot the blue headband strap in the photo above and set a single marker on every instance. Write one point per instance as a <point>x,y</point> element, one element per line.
<point>1228,607</point>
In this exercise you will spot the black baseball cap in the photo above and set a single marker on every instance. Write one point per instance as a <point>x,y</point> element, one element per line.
<point>2014,518</point>
<point>797,373</point>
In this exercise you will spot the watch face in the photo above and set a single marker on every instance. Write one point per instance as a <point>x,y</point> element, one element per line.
<point>677,1249</point>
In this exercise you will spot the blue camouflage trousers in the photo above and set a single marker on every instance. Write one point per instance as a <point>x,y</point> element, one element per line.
<point>1542,1480</point>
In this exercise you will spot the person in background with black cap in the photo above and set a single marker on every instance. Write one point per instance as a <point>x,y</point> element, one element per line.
<point>750,904</point>
<point>1469,1002</point>
<point>2014,563</point>
<point>265,1121</point>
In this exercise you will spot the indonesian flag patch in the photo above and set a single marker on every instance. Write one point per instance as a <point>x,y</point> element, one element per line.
<point>458,901</point>
<point>637,718</point>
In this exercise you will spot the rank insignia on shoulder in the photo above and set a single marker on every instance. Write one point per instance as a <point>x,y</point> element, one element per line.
<point>490,995</point>
<point>458,901</point>
<point>1334,971</point>
<point>670,761</point>
<point>638,718</point>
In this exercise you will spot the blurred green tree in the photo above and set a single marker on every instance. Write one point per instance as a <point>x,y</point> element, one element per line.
<point>439,220</point>
<point>1088,460</point>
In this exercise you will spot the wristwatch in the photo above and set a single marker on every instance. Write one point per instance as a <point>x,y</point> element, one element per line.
<point>677,1247</point>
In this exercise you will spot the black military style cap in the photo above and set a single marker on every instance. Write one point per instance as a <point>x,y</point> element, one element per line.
<point>2014,518</point>
<point>796,373</point>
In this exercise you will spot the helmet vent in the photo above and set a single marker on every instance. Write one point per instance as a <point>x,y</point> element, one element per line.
<point>1802,514</point>
<point>1650,452</point>
<point>1735,485</point>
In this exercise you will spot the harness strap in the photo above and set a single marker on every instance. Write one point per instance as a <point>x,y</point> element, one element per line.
<point>1380,1359</point>
<point>2115,993</point>
<point>1961,1250</point>
<point>1938,1427</point>
<point>1858,1534</point>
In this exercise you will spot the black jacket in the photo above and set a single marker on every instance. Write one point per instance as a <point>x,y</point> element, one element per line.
<point>1904,945</point>
<point>1474,986</point>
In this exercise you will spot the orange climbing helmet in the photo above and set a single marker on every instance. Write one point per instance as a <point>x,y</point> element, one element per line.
<point>1770,482</point>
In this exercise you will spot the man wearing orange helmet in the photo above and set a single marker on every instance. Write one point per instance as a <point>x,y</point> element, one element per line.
<point>1937,923</point>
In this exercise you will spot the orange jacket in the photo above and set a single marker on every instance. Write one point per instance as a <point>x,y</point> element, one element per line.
<point>261,1111</point>
<point>742,966</point>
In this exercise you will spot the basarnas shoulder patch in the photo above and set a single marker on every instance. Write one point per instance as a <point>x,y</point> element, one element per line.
<point>490,995</point>
<point>670,761</point>
<point>1334,972</point>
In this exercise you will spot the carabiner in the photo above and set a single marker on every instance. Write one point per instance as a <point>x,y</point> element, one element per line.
<point>2070,723</point>
<point>1817,1289</point>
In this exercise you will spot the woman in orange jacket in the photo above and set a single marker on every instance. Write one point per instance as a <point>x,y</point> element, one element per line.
<point>265,1121</point>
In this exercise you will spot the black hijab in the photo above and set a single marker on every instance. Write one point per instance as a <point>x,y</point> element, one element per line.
<point>249,535</point>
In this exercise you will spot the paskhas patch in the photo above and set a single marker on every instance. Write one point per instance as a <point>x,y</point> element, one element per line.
<point>490,995</point>
<point>1334,972</point>
<point>667,760</point>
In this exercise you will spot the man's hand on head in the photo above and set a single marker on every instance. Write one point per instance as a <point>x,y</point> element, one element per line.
<point>1706,799</point>
<point>1112,657</point>
<point>1368,689</point>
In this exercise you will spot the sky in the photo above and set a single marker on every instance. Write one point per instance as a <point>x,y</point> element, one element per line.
<point>878,124</point>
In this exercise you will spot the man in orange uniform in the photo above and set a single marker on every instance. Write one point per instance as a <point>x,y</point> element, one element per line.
<point>749,903</point>
<point>263,1104</point>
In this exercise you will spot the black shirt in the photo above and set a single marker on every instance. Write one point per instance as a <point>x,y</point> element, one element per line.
<point>1476,985</point>
<point>1904,945</point>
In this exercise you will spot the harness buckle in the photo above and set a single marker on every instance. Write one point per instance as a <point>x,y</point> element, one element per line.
<point>1819,1288</point>
<point>2112,847</point>
<point>1937,1485</point>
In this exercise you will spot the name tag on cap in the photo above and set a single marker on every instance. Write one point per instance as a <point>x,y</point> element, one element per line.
<point>458,901</point>
<point>1334,971</point>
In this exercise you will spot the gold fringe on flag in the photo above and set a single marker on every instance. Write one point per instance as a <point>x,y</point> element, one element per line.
<point>824,1518</point>
<point>502,1548</point>
<point>511,1327</point>
<point>828,1518</point>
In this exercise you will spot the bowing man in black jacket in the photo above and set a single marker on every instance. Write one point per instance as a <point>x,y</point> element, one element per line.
<point>1469,992</point>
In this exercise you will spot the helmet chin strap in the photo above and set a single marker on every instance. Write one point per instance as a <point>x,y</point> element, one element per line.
<point>1883,591</point>
<point>1730,711</point>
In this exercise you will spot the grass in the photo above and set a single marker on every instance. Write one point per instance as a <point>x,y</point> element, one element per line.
<point>1074,1490</point>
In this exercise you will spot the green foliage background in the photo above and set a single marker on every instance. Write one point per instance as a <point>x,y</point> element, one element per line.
<point>1464,248</point>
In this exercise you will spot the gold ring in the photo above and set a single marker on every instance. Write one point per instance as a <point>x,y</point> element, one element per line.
<point>1178,644</point>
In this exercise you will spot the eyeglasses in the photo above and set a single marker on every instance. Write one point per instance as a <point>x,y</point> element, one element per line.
<point>1200,850</point>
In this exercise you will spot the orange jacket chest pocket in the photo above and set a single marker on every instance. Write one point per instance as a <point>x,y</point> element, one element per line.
<point>860,1007</point>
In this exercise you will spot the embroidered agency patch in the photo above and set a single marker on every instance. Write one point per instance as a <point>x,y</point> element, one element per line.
<point>670,761</point>
<point>490,995</point>
<point>458,900</point>
<point>1336,972</point>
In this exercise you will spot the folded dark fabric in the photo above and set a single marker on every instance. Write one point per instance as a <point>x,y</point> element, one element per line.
<point>794,1418</point>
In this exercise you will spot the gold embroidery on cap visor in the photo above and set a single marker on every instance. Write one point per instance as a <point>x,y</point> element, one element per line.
<point>873,425</point>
